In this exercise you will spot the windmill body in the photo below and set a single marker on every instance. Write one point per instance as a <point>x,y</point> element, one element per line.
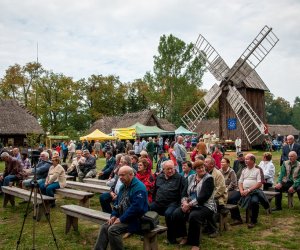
<point>240,93</point>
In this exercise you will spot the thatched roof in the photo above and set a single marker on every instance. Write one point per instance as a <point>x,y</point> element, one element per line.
<point>283,130</point>
<point>208,125</point>
<point>145,117</point>
<point>16,119</point>
<point>166,125</point>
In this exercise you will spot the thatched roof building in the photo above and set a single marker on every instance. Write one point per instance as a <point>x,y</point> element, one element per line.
<point>213,125</point>
<point>145,117</point>
<point>283,130</point>
<point>15,122</point>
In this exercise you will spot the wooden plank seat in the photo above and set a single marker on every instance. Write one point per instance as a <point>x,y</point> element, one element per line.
<point>82,196</point>
<point>223,223</point>
<point>88,187</point>
<point>11,192</point>
<point>270,195</point>
<point>95,181</point>
<point>74,212</point>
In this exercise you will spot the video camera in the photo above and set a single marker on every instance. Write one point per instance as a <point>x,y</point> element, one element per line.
<point>35,156</point>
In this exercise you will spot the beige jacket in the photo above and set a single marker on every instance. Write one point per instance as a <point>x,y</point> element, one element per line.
<point>57,174</point>
<point>220,191</point>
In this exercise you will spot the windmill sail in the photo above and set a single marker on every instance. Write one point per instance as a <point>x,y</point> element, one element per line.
<point>251,124</point>
<point>215,63</point>
<point>195,115</point>
<point>258,49</point>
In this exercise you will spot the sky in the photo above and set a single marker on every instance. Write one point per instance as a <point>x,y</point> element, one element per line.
<point>81,38</point>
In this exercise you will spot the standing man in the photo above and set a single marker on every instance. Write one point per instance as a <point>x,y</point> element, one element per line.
<point>290,146</point>
<point>97,148</point>
<point>71,149</point>
<point>180,152</point>
<point>150,148</point>
<point>288,180</point>
<point>238,144</point>
<point>128,147</point>
<point>130,206</point>
<point>137,147</point>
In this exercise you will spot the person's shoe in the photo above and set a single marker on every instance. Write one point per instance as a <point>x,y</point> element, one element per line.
<point>251,225</point>
<point>213,235</point>
<point>276,209</point>
<point>236,222</point>
<point>127,235</point>
<point>183,241</point>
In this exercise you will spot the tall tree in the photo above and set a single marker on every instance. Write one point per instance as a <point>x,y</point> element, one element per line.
<point>175,79</point>
<point>138,96</point>
<point>296,113</point>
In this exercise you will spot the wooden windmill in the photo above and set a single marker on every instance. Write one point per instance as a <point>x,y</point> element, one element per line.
<point>240,93</point>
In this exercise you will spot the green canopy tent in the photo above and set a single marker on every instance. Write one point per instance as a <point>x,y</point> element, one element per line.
<point>183,131</point>
<point>142,130</point>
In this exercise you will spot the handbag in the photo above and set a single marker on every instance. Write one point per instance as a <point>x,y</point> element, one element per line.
<point>149,221</point>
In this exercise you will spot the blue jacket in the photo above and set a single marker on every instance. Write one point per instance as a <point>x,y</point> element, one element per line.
<point>138,200</point>
<point>110,164</point>
<point>42,169</point>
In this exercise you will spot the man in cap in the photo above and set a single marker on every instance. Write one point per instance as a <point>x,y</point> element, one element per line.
<point>87,167</point>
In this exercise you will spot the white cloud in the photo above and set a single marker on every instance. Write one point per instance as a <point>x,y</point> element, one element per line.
<point>80,38</point>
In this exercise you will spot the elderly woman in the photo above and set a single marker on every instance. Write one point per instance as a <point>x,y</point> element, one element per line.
<point>144,176</point>
<point>56,178</point>
<point>269,170</point>
<point>144,155</point>
<point>232,189</point>
<point>196,206</point>
<point>187,169</point>
<point>73,169</point>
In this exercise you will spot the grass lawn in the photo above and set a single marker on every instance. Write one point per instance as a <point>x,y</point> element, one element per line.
<point>280,230</point>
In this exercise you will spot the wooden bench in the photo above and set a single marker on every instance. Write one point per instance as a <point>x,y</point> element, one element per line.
<point>11,192</point>
<point>269,195</point>
<point>74,212</point>
<point>82,196</point>
<point>88,187</point>
<point>223,224</point>
<point>95,181</point>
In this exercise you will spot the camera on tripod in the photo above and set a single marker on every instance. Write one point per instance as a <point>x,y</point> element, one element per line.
<point>35,157</point>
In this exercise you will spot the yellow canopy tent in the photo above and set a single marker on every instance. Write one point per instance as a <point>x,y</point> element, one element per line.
<point>97,135</point>
<point>124,133</point>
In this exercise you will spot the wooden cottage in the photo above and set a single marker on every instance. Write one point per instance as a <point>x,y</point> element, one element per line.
<point>145,117</point>
<point>15,123</point>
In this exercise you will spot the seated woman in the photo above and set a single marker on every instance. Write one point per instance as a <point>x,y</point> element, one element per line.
<point>196,206</point>
<point>144,155</point>
<point>232,189</point>
<point>56,178</point>
<point>25,160</point>
<point>73,169</point>
<point>147,178</point>
<point>187,169</point>
<point>269,170</point>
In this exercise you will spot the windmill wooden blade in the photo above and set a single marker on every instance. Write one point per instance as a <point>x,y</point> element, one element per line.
<point>258,49</point>
<point>215,63</point>
<point>251,124</point>
<point>194,116</point>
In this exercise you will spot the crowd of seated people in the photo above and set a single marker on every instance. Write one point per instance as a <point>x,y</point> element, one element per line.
<point>189,194</point>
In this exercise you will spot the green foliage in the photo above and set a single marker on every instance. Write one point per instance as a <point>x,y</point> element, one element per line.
<point>175,79</point>
<point>33,140</point>
<point>296,113</point>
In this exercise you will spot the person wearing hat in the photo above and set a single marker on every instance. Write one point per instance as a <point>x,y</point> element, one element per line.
<point>239,164</point>
<point>13,170</point>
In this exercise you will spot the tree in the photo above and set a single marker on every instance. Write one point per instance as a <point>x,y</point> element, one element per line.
<point>175,79</point>
<point>138,96</point>
<point>296,113</point>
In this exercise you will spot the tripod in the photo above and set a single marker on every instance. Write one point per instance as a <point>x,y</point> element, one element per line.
<point>35,189</point>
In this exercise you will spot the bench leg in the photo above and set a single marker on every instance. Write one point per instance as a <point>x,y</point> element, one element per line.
<point>41,211</point>
<point>223,222</point>
<point>71,221</point>
<point>8,198</point>
<point>248,215</point>
<point>85,202</point>
<point>290,200</point>
<point>150,241</point>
